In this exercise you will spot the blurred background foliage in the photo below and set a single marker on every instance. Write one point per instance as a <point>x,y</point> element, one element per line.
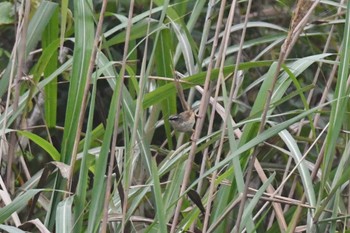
<point>86,144</point>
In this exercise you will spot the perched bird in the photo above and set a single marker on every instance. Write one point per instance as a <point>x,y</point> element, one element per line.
<point>184,121</point>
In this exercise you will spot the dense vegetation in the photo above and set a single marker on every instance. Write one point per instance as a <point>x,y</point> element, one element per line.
<point>87,88</point>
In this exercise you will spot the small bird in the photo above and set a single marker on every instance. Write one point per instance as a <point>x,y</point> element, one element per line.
<point>184,121</point>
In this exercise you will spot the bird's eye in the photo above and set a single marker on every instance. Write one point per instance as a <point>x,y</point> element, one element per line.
<point>173,118</point>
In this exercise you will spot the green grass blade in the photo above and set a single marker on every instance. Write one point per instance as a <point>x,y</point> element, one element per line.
<point>17,204</point>
<point>64,216</point>
<point>45,145</point>
<point>51,34</point>
<point>84,36</point>
<point>338,107</point>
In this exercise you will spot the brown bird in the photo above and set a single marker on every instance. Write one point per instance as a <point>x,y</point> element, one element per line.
<point>184,121</point>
